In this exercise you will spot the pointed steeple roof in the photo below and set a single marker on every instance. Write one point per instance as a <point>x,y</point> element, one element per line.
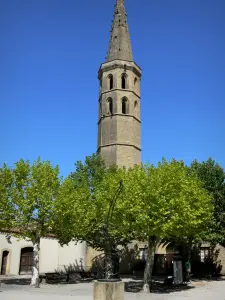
<point>120,45</point>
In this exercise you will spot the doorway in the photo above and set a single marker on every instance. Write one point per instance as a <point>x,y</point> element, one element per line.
<point>5,258</point>
<point>26,261</point>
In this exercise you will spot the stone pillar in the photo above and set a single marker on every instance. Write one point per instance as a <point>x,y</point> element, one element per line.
<point>108,290</point>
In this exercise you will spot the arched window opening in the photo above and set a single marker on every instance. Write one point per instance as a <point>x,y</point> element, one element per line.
<point>5,259</point>
<point>26,261</point>
<point>124,106</point>
<point>135,81</point>
<point>110,106</point>
<point>123,81</point>
<point>110,82</point>
<point>135,104</point>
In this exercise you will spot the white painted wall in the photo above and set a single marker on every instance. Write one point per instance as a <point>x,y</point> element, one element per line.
<point>49,255</point>
<point>72,255</point>
<point>52,255</point>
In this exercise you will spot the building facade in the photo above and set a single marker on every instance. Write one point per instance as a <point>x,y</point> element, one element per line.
<point>16,255</point>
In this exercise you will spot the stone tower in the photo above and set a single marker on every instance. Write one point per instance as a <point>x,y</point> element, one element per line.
<point>119,100</point>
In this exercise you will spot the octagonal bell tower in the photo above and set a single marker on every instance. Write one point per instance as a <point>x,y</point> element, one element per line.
<point>119,121</point>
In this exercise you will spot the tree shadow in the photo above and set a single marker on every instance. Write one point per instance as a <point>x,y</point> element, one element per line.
<point>157,287</point>
<point>129,263</point>
<point>98,266</point>
<point>16,281</point>
<point>74,273</point>
<point>208,279</point>
<point>161,288</point>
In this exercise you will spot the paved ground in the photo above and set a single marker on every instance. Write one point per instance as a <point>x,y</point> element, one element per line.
<point>214,290</point>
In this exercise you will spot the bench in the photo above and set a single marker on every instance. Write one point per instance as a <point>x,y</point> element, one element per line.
<point>56,277</point>
<point>68,277</point>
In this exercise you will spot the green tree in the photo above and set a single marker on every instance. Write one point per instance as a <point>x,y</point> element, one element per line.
<point>28,192</point>
<point>5,206</point>
<point>83,205</point>
<point>167,202</point>
<point>212,176</point>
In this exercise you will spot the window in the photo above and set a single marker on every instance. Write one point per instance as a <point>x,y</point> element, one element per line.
<point>124,106</point>
<point>123,81</point>
<point>110,102</point>
<point>110,82</point>
<point>135,81</point>
<point>204,253</point>
<point>135,104</point>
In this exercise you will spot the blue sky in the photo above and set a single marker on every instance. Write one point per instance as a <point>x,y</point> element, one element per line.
<point>50,52</point>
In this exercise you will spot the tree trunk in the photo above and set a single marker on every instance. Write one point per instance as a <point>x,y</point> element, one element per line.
<point>189,261</point>
<point>149,265</point>
<point>108,263</point>
<point>35,268</point>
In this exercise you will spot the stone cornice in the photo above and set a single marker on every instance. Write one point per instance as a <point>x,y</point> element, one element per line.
<point>122,90</point>
<point>122,115</point>
<point>122,62</point>
<point>107,67</point>
<point>118,144</point>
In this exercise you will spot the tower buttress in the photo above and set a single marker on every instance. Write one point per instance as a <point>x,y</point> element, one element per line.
<point>119,100</point>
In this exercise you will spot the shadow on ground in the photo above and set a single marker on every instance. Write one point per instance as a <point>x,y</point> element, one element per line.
<point>219,278</point>
<point>157,287</point>
<point>19,281</point>
<point>26,281</point>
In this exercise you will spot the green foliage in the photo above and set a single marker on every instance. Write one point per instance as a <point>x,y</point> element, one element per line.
<point>27,197</point>
<point>83,203</point>
<point>167,201</point>
<point>152,203</point>
<point>6,180</point>
<point>162,202</point>
<point>212,177</point>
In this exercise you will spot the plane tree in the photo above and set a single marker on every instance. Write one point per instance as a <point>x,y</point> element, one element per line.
<point>212,177</point>
<point>167,203</point>
<point>28,192</point>
<point>89,208</point>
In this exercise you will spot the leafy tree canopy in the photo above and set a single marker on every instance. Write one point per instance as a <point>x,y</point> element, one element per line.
<point>84,202</point>
<point>167,201</point>
<point>212,177</point>
<point>28,193</point>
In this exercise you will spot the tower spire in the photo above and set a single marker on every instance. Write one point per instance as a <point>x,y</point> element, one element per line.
<point>120,45</point>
